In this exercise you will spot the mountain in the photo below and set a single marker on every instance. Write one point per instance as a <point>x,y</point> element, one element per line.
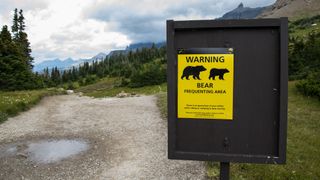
<point>116,52</point>
<point>136,46</point>
<point>99,57</point>
<point>294,9</point>
<point>60,64</point>
<point>67,63</point>
<point>242,12</point>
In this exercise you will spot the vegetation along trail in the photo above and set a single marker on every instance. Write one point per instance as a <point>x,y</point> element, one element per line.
<point>126,139</point>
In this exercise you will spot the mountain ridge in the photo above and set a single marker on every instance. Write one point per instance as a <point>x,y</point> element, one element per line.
<point>294,9</point>
<point>69,62</point>
<point>63,64</point>
<point>242,12</point>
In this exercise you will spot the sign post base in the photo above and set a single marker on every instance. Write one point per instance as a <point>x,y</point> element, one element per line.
<point>224,170</point>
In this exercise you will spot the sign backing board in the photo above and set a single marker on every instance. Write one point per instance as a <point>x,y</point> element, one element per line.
<point>205,87</point>
<point>253,128</point>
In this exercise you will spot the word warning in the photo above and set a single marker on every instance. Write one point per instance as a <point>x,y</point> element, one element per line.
<point>205,83</point>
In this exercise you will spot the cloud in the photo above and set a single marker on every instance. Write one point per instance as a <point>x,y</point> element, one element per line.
<point>145,20</point>
<point>9,5</point>
<point>58,29</point>
<point>83,28</point>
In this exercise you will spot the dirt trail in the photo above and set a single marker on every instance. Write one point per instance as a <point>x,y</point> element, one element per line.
<point>127,138</point>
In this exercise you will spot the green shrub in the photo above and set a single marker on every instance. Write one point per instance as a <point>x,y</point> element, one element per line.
<point>124,82</point>
<point>150,74</point>
<point>304,56</point>
<point>3,116</point>
<point>311,85</point>
<point>72,85</point>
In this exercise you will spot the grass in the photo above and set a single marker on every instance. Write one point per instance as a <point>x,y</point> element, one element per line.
<point>303,144</point>
<point>162,104</point>
<point>11,103</point>
<point>109,87</point>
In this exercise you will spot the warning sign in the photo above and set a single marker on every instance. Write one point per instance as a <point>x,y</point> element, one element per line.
<point>205,83</point>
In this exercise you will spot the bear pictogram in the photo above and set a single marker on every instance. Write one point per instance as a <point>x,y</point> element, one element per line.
<point>193,71</point>
<point>217,72</point>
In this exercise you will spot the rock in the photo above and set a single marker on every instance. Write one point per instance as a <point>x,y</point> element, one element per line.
<point>123,94</point>
<point>22,155</point>
<point>21,147</point>
<point>70,91</point>
<point>80,94</point>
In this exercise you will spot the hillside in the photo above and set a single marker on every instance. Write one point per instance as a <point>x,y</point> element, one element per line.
<point>294,9</point>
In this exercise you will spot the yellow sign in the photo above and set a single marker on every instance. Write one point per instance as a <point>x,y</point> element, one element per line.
<point>205,85</point>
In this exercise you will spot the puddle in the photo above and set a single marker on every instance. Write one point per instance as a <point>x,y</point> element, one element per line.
<point>10,150</point>
<point>55,150</point>
<point>45,152</point>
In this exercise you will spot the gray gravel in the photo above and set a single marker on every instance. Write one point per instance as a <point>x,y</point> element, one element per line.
<point>127,138</point>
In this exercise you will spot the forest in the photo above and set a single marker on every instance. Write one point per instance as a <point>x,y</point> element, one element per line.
<point>136,68</point>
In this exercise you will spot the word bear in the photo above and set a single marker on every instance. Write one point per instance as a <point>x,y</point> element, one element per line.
<point>193,71</point>
<point>217,72</point>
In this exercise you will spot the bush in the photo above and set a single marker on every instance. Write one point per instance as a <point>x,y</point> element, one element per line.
<point>311,85</point>
<point>73,85</point>
<point>90,79</point>
<point>150,74</point>
<point>124,82</point>
<point>3,117</point>
<point>304,56</point>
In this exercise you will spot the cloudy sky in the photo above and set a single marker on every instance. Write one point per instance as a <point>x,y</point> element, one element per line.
<point>83,28</point>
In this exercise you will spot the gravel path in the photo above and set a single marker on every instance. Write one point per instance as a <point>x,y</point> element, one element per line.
<point>127,138</point>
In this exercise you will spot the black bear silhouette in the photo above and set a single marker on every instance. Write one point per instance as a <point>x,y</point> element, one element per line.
<point>193,71</point>
<point>217,72</point>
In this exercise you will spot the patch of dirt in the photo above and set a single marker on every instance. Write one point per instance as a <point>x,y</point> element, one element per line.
<point>127,137</point>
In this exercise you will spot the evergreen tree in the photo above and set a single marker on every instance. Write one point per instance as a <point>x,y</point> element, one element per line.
<point>22,39</point>
<point>21,22</point>
<point>5,35</point>
<point>25,47</point>
<point>15,59</point>
<point>15,25</point>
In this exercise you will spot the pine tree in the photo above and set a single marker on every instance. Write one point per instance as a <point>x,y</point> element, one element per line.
<point>25,47</point>
<point>21,22</point>
<point>15,58</point>
<point>15,26</point>
<point>5,35</point>
<point>23,40</point>
<point>14,73</point>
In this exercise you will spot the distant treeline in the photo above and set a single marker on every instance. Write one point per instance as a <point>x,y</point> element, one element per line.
<point>146,66</point>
